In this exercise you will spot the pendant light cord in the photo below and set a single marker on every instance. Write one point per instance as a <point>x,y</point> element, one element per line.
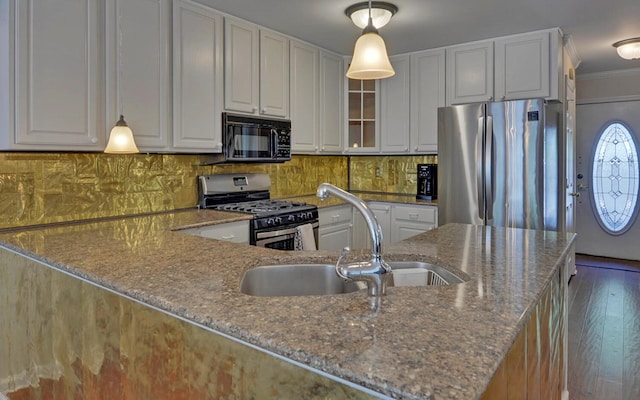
<point>120,42</point>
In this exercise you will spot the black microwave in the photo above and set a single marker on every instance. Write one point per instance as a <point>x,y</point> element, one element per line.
<point>252,139</point>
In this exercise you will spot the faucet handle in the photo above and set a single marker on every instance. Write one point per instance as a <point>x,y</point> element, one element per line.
<point>343,254</point>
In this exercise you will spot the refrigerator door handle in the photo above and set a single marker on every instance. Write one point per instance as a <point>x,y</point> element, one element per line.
<point>480,169</point>
<point>488,163</point>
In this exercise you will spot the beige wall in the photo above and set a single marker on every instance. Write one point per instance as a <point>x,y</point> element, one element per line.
<point>614,85</point>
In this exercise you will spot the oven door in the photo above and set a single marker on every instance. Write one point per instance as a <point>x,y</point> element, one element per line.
<point>282,239</point>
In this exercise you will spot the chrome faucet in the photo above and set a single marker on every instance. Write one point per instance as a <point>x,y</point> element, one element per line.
<point>375,271</point>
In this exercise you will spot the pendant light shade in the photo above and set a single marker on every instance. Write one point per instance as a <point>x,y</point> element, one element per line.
<point>628,49</point>
<point>121,139</point>
<point>370,59</point>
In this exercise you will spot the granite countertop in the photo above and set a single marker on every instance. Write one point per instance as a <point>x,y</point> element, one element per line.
<point>441,342</point>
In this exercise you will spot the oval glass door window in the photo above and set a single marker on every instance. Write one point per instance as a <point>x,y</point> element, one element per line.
<point>615,178</point>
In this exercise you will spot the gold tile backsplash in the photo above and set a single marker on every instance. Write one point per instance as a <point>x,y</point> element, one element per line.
<point>40,188</point>
<point>397,174</point>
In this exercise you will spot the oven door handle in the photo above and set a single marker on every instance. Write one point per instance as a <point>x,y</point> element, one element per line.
<point>283,232</point>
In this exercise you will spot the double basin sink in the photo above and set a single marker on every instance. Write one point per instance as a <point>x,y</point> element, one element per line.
<point>322,279</point>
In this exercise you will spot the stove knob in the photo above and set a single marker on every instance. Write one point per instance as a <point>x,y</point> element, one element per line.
<point>270,221</point>
<point>291,218</point>
<point>278,221</point>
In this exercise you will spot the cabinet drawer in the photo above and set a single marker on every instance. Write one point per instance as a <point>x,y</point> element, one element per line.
<point>334,215</point>
<point>415,214</point>
<point>236,232</point>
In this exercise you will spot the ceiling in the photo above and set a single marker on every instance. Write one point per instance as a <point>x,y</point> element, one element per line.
<point>424,24</point>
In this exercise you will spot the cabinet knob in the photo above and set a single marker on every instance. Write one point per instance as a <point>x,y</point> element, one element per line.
<point>503,97</point>
<point>219,145</point>
<point>264,111</point>
<point>94,140</point>
<point>490,98</point>
<point>254,109</point>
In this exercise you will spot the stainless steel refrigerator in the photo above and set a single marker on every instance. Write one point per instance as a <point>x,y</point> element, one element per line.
<point>501,164</point>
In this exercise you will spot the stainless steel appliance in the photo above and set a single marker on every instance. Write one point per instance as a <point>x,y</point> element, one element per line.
<point>250,139</point>
<point>501,164</point>
<point>427,182</point>
<point>275,222</point>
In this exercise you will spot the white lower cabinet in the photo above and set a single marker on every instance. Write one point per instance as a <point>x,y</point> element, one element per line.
<point>398,222</point>
<point>408,221</point>
<point>336,227</point>
<point>235,232</point>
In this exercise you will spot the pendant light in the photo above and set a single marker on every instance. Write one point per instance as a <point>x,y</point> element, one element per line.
<point>121,139</point>
<point>370,59</point>
<point>629,49</point>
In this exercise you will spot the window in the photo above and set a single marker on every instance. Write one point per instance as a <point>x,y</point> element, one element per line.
<point>615,178</point>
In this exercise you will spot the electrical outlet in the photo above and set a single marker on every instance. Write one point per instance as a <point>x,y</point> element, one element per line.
<point>378,172</point>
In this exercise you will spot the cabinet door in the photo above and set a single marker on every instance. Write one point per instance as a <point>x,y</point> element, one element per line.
<point>331,95</point>
<point>363,130</point>
<point>138,68</point>
<point>408,221</point>
<point>197,77</point>
<point>470,73</point>
<point>241,66</point>
<point>304,97</point>
<point>57,89</point>
<point>274,74</point>
<point>522,66</point>
<point>427,94</point>
<point>335,237</point>
<point>395,109</point>
<point>362,237</point>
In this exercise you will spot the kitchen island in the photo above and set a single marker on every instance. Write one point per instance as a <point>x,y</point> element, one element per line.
<point>134,306</point>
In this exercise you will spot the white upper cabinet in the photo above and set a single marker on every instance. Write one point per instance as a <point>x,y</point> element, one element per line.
<point>197,78</point>
<point>256,70</point>
<point>331,108</point>
<point>470,73</point>
<point>304,97</point>
<point>395,115</point>
<point>316,100</point>
<point>55,101</point>
<point>522,66</point>
<point>427,94</point>
<point>241,66</point>
<point>138,69</point>
<point>274,74</point>
<point>525,66</point>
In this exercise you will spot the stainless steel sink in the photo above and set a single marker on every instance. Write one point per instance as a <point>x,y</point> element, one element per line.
<point>321,279</point>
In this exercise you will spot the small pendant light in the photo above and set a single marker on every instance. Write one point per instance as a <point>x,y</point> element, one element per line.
<point>121,140</point>
<point>370,59</point>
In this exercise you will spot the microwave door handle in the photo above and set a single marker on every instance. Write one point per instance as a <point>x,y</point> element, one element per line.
<point>274,143</point>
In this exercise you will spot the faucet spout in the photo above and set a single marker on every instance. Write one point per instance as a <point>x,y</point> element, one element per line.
<point>374,271</point>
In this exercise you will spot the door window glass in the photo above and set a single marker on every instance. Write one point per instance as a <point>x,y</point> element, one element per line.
<point>615,178</point>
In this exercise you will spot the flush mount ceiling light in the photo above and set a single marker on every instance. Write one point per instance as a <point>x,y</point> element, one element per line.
<point>381,13</point>
<point>629,49</point>
<point>370,59</point>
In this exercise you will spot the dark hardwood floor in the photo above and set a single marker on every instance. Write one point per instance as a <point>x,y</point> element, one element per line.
<point>604,330</point>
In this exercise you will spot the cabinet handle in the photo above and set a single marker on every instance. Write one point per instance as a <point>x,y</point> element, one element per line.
<point>413,215</point>
<point>228,237</point>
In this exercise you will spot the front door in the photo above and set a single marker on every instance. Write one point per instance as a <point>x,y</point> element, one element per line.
<point>593,237</point>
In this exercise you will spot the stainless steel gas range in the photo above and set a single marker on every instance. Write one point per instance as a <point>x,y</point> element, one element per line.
<point>275,223</point>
